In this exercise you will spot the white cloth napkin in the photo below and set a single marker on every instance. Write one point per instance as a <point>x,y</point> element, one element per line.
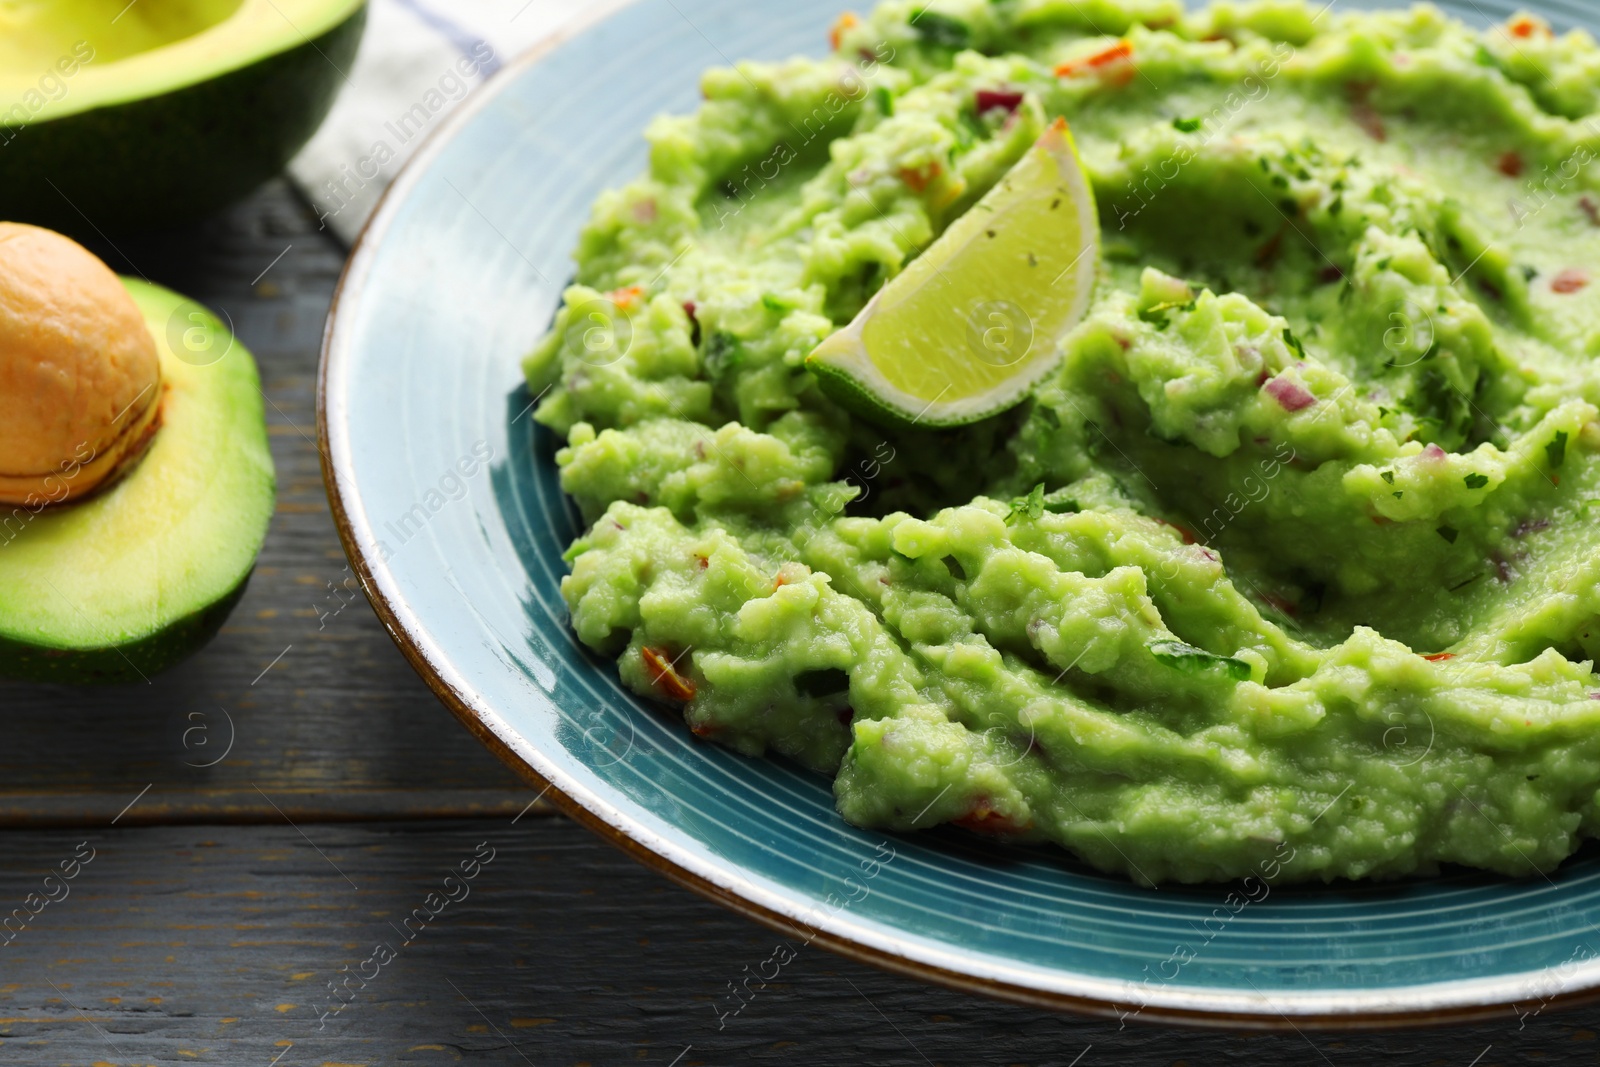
<point>418,60</point>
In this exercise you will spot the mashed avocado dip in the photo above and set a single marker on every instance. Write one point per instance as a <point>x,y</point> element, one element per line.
<point>1291,568</point>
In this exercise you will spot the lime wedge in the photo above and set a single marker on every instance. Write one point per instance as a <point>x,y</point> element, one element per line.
<point>978,317</point>
<point>968,328</point>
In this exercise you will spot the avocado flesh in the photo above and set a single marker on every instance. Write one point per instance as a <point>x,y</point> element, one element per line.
<point>36,35</point>
<point>136,577</point>
<point>164,113</point>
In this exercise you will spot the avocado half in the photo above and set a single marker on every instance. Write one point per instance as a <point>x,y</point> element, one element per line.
<point>134,578</point>
<point>119,116</point>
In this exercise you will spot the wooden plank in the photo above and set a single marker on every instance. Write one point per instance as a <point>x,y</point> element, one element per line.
<point>216,945</point>
<point>303,692</point>
<point>188,807</point>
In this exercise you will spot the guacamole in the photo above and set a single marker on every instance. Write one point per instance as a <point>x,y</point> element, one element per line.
<point>1291,569</point>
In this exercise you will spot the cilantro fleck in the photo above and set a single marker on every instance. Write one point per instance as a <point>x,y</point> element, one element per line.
<point>1030,506</point>
<point>883,100</point>
<point>1294,342</point>
<point>1398,493</point>
<point>1191,660</point>
<point>1187,125</point>
<point>1556,450</point>
<point>724,353</point>
<point>940,31</point>
<point>1387,476</point>
<point>970,129</point>
<point>1156,314</point>
<point>1449,533</point>
<point>1476,481</point>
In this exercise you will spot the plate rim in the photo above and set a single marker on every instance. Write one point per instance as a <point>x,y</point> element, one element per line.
<point>1395,1007</point>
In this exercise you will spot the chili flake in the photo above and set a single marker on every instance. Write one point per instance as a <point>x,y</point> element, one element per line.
<point>664,675</point>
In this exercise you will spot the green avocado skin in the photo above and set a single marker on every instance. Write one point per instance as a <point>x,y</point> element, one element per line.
<point>178,156</point>
<point>138,661</point>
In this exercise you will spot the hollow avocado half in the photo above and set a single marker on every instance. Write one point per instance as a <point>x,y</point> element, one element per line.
<point>118,116</point>
<point>134,578</point>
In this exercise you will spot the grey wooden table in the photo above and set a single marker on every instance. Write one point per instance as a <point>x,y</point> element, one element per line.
<point>251,832</point>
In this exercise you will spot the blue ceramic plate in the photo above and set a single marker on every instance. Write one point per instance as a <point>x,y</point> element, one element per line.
<point>446,495</point>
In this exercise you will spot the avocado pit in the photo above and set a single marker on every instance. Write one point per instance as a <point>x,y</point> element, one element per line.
<point>80,378</point>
